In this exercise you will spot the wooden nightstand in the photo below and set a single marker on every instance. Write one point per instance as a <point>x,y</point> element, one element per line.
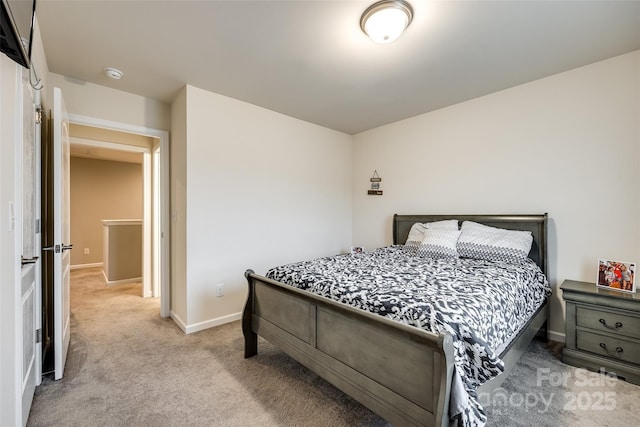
<point>602,329</point>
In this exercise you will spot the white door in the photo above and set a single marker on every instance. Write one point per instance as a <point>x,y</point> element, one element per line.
<point>61,232</point>
<point>30,283</point>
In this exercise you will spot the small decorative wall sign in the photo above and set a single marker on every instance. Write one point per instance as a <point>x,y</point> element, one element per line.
<point>616,275</point>
<point>375,185</point>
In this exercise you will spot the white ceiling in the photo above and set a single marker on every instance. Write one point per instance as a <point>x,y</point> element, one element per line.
<point>310,60</point>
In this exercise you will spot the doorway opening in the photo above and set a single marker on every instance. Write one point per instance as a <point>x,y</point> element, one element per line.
<point>116,141</point>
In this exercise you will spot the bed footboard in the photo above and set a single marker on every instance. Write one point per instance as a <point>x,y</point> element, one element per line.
<point>400,372</point>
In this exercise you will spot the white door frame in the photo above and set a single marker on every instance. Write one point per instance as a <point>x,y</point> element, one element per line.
<point>155,206</point>
<point>38,244</point>
<point>163,136</point>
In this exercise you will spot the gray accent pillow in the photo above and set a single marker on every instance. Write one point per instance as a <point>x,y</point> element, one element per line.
<point>439,243</point>
<point>416,233</point>
<point>493,244</point>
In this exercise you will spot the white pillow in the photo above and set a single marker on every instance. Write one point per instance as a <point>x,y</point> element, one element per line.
<point>415,237</point>
<point>416,233</point>
<point>493,244</point>
<point>445,224</point>
<point>439,243</point>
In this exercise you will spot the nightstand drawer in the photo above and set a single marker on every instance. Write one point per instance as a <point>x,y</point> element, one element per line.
<point>606,346</point>
<point>608,322</point>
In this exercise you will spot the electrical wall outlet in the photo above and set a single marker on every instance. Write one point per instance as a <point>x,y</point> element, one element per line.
<point>220,290</point>
<point>86,251</point>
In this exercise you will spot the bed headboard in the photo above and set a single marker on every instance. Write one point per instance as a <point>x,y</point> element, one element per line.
<point>536,224</point>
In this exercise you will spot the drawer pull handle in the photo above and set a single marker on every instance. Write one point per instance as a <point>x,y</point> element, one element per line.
<point>617,353</point>
<point>618,325</point>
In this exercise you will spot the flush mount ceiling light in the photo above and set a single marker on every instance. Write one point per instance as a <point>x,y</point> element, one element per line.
<point>385,20</point>
<point>113,73</point>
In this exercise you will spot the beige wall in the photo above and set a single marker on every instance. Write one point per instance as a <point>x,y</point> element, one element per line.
<point>568,145</point>
<point>39,61</point>
<point>100,190</point>
<point>122,250</point>
<point>252,189</point>
<point>92,100</point>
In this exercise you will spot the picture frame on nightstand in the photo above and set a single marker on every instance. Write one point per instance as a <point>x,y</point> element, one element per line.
<point>616,275</point>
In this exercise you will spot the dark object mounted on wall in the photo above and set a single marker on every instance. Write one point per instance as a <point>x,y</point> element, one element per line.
<point>17,18</point>
<point>375,185</point>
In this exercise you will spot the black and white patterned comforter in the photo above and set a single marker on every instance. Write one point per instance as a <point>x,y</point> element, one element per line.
<point>482,304</point>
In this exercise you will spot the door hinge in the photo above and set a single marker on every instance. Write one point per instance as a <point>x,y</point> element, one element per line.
<point>39,112</point>
<point>37,226</point>
<point>38,336</point>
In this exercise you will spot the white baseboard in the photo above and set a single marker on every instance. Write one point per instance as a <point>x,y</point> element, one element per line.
<point>189,329</point>
<point>179,322</point>
<point>214,322</point>
<point>124,281</point>
<point>79,266</point>
<point>557,336</point>
<point>120,282</point>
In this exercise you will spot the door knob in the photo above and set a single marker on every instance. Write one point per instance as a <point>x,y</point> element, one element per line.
<point>58,248</point>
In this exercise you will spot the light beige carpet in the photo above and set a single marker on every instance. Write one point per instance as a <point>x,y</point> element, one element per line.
<point>129,367</point>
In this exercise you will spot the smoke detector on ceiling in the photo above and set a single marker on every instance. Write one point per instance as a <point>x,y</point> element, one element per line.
<point>113,73</point>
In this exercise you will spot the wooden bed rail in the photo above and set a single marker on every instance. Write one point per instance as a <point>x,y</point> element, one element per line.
<point>400,372</point>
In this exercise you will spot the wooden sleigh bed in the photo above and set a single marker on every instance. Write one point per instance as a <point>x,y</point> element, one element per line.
<point>410,381</point>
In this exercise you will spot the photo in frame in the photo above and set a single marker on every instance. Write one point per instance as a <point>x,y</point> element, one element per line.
<point>616,275</point>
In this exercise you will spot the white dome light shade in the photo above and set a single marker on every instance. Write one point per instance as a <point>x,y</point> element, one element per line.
<point>386,20</point>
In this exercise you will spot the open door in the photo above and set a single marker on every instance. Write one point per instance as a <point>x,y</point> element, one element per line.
<point>61,232</point>
<point>30,267</point>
